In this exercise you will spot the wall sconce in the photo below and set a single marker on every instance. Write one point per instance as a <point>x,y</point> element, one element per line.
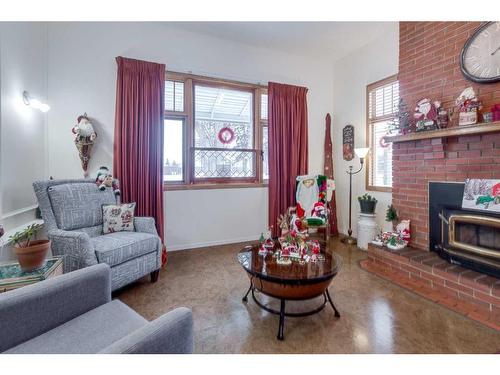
<point>35,103</point>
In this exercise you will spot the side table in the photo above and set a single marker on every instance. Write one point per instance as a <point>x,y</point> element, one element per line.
<point>12,277</point>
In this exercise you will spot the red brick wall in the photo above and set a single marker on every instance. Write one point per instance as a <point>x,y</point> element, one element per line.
<point>429,67</point>
<point>429,54</point>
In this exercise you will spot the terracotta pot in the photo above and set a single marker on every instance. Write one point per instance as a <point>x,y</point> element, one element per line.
<point>32,257</point>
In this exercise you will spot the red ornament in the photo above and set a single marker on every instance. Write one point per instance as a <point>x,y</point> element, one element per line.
<point>226,135</point>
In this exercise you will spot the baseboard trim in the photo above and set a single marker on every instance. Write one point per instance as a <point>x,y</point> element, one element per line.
<point>211,243</point>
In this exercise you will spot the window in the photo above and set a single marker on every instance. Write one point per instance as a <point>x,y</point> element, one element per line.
<point>265,137</point>
<point>214,132</point>
<point>173,155</point>
<point>174,96</point>
<point>382,101</point>
<point>223,133</point>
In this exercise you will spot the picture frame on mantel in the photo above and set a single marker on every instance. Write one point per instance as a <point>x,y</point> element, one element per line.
<point>348,142</point>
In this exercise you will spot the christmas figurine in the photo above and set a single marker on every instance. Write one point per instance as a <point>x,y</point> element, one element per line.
<point>468,106</point>
<point>396,242</point>
<point>104,179</point>
<point>404,229</point>
<point>443,117</point>
<point>319,210</point>
<point>426,114</point>
<point>262,250</point>
<point>402,123</point>
<point>314,246</point>
<point>85,137</point>
<point>284,223</point>
<point>268,241</point>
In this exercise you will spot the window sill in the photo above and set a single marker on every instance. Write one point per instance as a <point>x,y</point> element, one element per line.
<point>174,187</point>
<point>381,189</point>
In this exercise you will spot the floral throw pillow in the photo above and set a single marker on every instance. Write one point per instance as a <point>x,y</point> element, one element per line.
<point>118,217</point>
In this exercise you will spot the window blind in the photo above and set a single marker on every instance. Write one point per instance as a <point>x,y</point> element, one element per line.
<point>383,98</point>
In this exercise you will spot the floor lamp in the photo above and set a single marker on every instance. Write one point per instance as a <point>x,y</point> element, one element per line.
<point>361,153</point>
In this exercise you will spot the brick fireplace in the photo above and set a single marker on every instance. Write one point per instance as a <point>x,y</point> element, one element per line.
<point>416,163</point>
<point>429,68</point>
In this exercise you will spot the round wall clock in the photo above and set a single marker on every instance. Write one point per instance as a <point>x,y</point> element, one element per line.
<point>480,57</point>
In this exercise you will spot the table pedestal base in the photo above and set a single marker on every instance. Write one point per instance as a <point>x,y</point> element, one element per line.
<point>282,313</point>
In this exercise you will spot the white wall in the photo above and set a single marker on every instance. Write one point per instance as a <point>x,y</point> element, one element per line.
<point>377,60</point>
<point>82,78</point>
<point>23,136</point>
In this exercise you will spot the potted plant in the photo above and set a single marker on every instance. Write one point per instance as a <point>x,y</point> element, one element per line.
<point>391,216</point>
<point>30,252</point>
<point>367,204</point>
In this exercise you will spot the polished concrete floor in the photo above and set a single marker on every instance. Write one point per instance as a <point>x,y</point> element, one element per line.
<point>377,316</point>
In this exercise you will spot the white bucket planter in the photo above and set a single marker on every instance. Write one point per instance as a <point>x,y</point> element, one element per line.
<point>367,230</point>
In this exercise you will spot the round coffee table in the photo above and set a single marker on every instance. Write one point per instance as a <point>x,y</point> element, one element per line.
<point>289,282</point>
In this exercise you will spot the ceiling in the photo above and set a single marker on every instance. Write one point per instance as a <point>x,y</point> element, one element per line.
<point>327,40</point>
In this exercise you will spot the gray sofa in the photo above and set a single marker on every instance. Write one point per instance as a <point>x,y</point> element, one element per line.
<point>72,212</point>
<point>74,313</point>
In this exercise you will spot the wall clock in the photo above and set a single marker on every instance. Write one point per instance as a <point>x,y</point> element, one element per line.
<point>480,57</point>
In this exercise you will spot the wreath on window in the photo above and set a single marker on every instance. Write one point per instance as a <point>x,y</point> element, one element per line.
<point>383,143</point>
<point>226,135</point>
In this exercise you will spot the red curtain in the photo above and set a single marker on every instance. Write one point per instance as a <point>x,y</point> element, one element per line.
<point>288,154</point>
<point>138,145</point>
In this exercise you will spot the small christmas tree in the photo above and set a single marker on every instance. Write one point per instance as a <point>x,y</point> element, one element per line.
<point>401,124</point>
<point>391,214</point>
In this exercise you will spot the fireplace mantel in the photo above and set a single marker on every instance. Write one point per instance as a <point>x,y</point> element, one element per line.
<point>490,127</point>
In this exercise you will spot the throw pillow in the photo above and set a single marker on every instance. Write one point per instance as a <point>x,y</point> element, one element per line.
<point>118,217</point>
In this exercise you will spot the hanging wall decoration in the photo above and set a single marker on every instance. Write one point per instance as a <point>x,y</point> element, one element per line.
<point>85,137</point>
<point>348,142</point>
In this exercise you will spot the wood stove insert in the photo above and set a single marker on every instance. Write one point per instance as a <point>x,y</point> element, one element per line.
<point>465,237</point>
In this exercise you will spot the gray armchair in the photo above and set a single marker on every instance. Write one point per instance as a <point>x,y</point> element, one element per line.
<point>72,211</point>
<point>74,313</point>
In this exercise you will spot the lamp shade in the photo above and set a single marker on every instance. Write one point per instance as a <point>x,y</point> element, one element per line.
<point>361,152</point>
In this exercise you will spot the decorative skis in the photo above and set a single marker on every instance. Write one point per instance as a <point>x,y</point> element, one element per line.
<point>328,171</point>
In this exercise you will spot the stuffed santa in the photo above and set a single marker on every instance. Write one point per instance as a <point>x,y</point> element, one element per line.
<point>404,229</point>
<point>83,130</point>
<point>319,210</point>
<point>105,179</point>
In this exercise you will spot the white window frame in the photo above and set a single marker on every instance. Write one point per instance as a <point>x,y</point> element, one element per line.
<point>370,120</point>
